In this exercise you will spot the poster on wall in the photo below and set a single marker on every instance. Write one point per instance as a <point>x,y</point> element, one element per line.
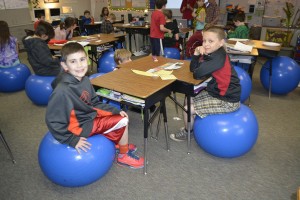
<point>15,4</point>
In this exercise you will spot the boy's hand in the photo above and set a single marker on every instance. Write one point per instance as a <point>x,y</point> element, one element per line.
<point>83,145</point>
<point>199,50</point>
<point>123,114</point>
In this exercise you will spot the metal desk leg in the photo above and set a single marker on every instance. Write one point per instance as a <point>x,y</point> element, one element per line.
<point>146,122</point>
<point>188,100</point>
<point>164,112</point>
<point>7,148</point>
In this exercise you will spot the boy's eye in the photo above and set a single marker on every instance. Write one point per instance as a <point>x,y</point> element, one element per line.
<point>82,59</point>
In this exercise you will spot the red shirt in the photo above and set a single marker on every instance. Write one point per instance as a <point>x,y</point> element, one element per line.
<point>187,13</point>
<point>36,23</point>
<point>157,19</point>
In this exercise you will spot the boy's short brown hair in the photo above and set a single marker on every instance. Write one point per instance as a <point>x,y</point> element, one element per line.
<point>168,13</point>
<point>239,17</point>
<point>122,55</point>
<point>87,12</point>
<point>70,48</point>
<point>218,30</point>
<point>44,28</point>
<point>160,3</point>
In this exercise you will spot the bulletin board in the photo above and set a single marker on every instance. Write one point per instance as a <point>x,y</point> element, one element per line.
<point>128,5</point>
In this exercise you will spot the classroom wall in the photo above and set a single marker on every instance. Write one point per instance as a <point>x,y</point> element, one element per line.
<point>78,7</point>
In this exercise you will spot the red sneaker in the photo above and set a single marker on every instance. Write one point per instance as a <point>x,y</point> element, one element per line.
<point>130,160</point>
<point>131,147</point>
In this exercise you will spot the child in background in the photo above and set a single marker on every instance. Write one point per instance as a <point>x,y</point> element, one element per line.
<point>107,26</point>
<point>39,54</point>
<point>75,113</point>
<point>199,15</point>
<point>86,19</point>
<point>8,47</point>
<point>170,39</point>
<point>157,28</point>
<point>194,41</point>
<point>122,56</point>
<point>104,14</point>
<point>222,94</point>
<point>41,17</point>
<point>241,31</point>
<point>65,29</point>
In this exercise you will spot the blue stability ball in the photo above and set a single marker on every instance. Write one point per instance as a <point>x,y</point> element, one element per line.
<point>245,81</point>
<point>64,166</point>
<point>285,75</point>
<point>38,89</point>
<point>12,79</point>
<point>227,135</point>
<point>106,62</point>
<point>95,75</point>
<point>172,53</point>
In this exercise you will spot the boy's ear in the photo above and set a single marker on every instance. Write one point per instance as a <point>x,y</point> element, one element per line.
<point>64,66</point>
<point>222,42</point>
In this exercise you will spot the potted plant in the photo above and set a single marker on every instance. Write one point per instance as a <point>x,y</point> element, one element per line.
<point>289,12</point>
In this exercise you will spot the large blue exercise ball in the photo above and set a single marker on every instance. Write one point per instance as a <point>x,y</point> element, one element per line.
<point>106,62</point>
<point>285,75</point>
<point>227,135</point>
<point>38,89</point>
<point>171,52</point>
<point>12,79</point>
<point>246,83</point>
<point>64,166</point>
<point>95,75</point>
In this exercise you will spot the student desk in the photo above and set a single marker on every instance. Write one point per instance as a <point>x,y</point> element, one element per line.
<point>263,51</point>
<point>150,89</point>
<point>94,42</point>
<point>184,84</point>
<point>143,30</point>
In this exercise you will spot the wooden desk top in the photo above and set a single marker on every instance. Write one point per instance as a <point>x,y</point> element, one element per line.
<point>183,74</point>
<point>125,81</point>
<point>93,39</point>
<point>119,25</point>
<point>258,44</point>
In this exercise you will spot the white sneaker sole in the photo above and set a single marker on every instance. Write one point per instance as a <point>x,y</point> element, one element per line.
<point>172,136</point>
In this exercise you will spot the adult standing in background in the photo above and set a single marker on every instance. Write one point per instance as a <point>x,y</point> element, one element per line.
<point>212,13</point>
<point>187,8</point>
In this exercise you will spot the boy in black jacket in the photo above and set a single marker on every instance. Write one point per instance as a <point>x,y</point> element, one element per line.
<point>39,54</point>
<point>222,94</point>
<point>74,111</point>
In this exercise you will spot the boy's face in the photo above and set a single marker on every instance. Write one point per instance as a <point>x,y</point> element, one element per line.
<point>76,64</point>
<point>87,15</point>
<point>211,42</point>
<point>125,61</point>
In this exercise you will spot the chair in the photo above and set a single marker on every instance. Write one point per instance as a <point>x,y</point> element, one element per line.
<point>7,147</point>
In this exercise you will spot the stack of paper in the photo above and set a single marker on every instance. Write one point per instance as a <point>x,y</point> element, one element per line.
<point>239,47</point>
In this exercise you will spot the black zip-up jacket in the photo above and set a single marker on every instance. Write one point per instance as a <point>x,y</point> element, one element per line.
<point>40,57</point>
<point>225,83</point>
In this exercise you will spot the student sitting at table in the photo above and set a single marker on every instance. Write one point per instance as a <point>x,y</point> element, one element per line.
<point>65,30</point>
<point>8,47</point>
<point>104,14</point>
<point>39,54</point>
<point>41,17</point>
<point>86,19</point>
<point>170,39</point>
<point>222,94</point>
<point>122,56</point>
<point>241,31</point>
<point>107,25</point>
<point>74,111</point>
